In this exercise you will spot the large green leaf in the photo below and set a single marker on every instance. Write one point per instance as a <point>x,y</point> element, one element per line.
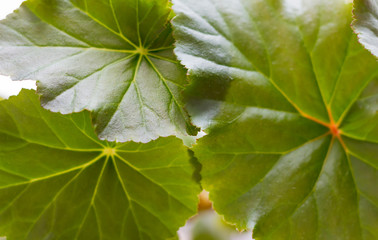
<point>114,57</point>
<point>366,23</point>
<point>57,181</point>
<point>292,144</point>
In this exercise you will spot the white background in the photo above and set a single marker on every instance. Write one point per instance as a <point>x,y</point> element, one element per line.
<point>7,87</point>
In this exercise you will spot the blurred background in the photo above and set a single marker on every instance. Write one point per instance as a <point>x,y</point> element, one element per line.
<point>206,225</point>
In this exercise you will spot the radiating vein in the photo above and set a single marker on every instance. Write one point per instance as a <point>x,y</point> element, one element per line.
<point>357,192</point>
<point>80,167</point>
<point>91,74</point>
<point>127,195</point>
<point>151,180</point>
<point>298,205</point>
<point>141,102</point>
<point>91,204</point>
<point>180,107</point>
<point>108,28</point>
<point>30,229</point>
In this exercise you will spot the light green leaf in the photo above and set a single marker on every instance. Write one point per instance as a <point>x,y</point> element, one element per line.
<point>366,23</point>
<point>114,57</point>
<point>57,181</point>
<point>288,98</point>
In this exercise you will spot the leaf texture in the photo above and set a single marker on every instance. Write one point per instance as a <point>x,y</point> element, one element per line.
<point>114,57</point>
<point>365,23</point>
<point>288,98</point>
<point>57,181</point>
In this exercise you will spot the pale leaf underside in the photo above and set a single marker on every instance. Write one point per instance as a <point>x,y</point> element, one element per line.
<point>365,23</point>
<point>114,57</point>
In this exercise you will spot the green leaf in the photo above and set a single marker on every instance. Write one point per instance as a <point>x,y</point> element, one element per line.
<point>114,57</point>
<point>57,181</point>
<point>365,23</point>
<point>289,100</point>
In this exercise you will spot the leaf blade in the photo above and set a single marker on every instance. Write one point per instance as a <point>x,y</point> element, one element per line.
<point>235,161</point>
<point>97,60</point>
<point>64,191</point>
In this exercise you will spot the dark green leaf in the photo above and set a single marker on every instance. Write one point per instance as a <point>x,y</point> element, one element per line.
<point>366,23</point>
<point>57,181</point>
<point>114,57</point>
<point>289,100</point>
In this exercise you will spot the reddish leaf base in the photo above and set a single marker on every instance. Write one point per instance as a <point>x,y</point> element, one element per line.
<point>334,130</point>
<point>332,126</point>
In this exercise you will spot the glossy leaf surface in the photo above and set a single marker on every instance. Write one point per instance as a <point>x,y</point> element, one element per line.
<point>57,181</point>
<point>288,98</point>
<point>113,57</point>
<point>366,23</point>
